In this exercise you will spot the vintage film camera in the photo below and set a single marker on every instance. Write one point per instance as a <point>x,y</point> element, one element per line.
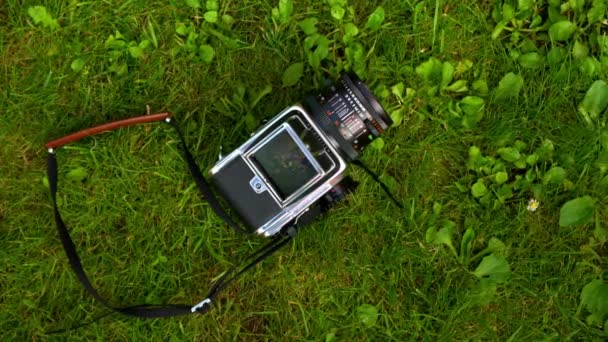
<point>292,168</point>
<point>290,171</point>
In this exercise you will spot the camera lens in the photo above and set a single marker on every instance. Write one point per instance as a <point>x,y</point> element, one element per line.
<point>349,114</point>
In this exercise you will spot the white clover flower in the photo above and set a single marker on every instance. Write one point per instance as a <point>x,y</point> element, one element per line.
<point>532,205</point>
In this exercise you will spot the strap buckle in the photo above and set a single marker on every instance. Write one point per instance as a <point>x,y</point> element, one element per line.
<point>200,305</point>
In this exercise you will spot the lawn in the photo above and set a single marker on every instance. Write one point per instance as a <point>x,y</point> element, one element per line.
<point>499,154</point>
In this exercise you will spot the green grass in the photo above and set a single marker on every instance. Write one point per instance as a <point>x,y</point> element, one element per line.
<point>145,236</point>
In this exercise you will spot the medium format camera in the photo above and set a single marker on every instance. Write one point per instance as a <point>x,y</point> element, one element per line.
<point>290,171</point>
<point>292,168</point>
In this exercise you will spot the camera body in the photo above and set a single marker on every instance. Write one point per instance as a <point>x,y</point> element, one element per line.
<point>293,167</point>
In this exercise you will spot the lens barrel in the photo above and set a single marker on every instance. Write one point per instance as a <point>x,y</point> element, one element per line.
<point>349,114</point>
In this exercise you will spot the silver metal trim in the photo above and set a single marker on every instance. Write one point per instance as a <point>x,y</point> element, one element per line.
<point>257,185</point>
<point>200,305</point>
<point>289,209</point>
<point>284,127</point>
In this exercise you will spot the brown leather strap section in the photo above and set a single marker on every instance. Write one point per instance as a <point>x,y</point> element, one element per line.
<point>104,128</point>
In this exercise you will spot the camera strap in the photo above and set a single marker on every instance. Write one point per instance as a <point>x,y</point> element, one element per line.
<point>375,177</point>
<point>153,310</point>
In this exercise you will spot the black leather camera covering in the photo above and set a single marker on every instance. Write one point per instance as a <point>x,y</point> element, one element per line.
<point>233,183</point>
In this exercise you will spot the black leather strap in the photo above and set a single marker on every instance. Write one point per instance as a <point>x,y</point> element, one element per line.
<point>202,184</point>
<point>76,264</point>
<point>375,177</point>
<point>166,310</point>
